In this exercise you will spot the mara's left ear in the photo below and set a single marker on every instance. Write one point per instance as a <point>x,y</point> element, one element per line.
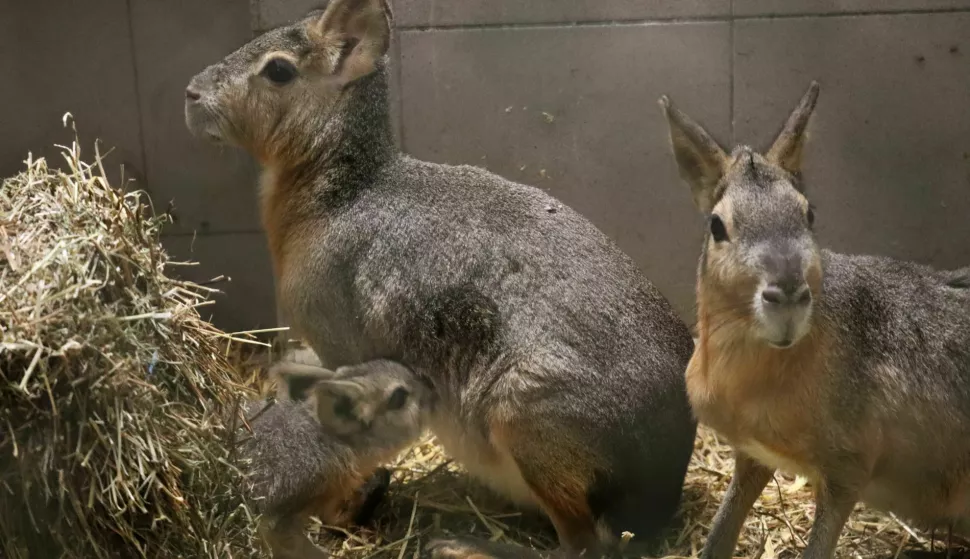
<point>700,159</point>
<point>295,381</point>
<point>355,34</point>
<point>786,151</point>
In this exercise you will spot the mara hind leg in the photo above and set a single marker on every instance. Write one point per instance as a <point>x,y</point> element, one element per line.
<point>559,471</point>
<point>556,471</point>
<point>642,506</point>
<point>640,493</point>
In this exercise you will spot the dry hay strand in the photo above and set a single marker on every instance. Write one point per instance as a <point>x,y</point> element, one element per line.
<point>112,388</point>
<point>432,497</point>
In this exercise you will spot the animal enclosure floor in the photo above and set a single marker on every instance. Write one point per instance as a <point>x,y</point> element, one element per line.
<point>430,497</point>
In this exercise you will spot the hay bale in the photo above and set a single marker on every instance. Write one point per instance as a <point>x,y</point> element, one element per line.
<point>112,388</point>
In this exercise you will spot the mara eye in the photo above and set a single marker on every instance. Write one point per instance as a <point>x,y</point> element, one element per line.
<point>343,408</point>
<point>810,216</point>
<point>279,71</point>
<point>398,398</point>
<point>718,230</point>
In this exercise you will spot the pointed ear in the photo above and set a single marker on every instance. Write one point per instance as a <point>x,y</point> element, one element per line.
<point>700,159</point>
<point>295,381</point>
<point>355,34</point>
<point>787,149</point>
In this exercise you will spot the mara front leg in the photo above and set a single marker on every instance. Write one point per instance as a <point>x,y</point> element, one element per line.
<point>750,479</point>
<point>834,501</point>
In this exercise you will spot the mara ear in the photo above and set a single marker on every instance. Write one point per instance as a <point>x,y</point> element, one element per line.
<point>342,400</point>
<point>295,381</point>
<point>700,159</point>
<point>786,151</point>
<point>355,34</point>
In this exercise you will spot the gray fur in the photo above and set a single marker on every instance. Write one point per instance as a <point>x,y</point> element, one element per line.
<point>290,455</point>
<point>509,310</point>
<point>296,452</point>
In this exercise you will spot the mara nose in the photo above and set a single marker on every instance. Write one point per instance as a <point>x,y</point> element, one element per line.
<point>192,95</point>
<point>790,294</point>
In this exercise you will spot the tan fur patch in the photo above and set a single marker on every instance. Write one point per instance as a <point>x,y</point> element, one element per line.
<point>763,399</point>
<point>483,458</point>
<point>561,491</point>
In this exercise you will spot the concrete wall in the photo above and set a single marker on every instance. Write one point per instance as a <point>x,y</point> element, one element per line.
<point>556,93</point>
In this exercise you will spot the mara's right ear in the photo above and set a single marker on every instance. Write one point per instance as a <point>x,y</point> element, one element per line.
<point>700,159</point>
<point>296,380</point>
<point>355,34</point>
<point>787,148</point>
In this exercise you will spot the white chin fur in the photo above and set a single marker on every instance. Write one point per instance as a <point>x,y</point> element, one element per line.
<point>781,328</point>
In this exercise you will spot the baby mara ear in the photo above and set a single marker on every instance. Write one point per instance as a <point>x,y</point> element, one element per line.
<point>295,381</point>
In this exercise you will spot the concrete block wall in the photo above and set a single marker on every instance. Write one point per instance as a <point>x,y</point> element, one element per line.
<point>560,94</point>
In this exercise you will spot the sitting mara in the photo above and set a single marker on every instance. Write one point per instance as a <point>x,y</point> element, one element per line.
<point>556,367</point>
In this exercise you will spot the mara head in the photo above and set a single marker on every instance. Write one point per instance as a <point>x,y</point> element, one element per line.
<point>760,264</point>
<point>380,399</point>
<point>288,87</point>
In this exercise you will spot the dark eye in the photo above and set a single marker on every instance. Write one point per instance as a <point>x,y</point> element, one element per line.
<point>718,230</point>
<point>810,215</point>
<point>279,71</point>
<point>398,398</point>
<point>343,408</point>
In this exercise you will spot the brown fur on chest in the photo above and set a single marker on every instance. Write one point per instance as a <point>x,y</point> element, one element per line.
<point>288,218</point>
<point>765,401</point>
<point>292,225</point>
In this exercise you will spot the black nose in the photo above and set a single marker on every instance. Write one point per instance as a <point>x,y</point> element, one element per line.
<point>192,95</point>
<point>791,294</point>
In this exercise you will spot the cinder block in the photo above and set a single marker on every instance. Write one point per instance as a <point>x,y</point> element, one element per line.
<point>63,57</point>
<point>213,189</point>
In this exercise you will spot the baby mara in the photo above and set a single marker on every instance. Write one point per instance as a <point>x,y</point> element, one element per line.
<point>316,449</point>
<point>851,370</point>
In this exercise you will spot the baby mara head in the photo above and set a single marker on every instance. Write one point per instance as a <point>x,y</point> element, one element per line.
<point>284,89</point>
<point>379,404</point>
<point>760,266</point>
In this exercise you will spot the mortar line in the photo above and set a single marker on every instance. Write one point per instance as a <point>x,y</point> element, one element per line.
<point>138,104</point>
<point>730,17</point>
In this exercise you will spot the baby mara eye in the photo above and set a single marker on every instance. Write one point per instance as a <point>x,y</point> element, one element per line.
<point>810,216</point>
<point>398,398</point>
<point>718,230</point>
<point>279,71</point>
